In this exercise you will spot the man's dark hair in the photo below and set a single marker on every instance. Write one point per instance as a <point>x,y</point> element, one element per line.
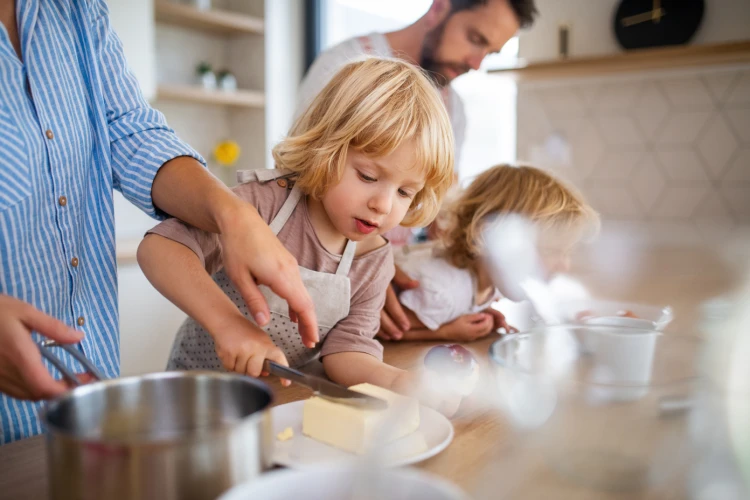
<point>525,10</point>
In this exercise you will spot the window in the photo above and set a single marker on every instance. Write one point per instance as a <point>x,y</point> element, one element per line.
<point>490,106</point>
<point>344,19</point>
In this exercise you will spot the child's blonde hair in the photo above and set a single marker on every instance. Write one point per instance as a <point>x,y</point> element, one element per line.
<point>373,106</point>
<point>503,190</point>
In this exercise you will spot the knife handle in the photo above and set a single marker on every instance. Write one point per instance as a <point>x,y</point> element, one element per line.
<point>282,371</point>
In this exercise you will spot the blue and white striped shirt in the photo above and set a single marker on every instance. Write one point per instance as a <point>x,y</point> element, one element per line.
<point>73,127</point>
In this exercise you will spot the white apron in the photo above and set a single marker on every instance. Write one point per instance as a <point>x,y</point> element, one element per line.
<point>194,347</point>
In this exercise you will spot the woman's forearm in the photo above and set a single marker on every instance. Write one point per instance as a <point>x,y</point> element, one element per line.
<point>187,191</point>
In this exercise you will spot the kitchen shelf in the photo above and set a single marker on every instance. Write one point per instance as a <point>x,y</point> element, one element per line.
<point>213,21</point>
<point>238,98</point>
<point>632,61</point>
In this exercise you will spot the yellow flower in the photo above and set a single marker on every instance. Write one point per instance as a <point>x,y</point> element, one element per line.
<point>227,153</point>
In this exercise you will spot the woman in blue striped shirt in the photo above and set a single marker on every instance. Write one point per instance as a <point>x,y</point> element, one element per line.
<point>73,127</point>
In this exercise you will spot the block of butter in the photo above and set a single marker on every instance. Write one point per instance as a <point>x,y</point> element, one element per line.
<point>355,429</point>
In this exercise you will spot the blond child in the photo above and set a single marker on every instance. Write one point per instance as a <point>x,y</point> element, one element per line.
<point>373,150</point>
<point>457,287</point>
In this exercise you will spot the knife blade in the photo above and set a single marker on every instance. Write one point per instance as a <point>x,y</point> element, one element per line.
<point>324,388</point>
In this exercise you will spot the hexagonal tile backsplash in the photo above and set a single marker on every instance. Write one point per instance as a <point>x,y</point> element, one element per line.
<point>657,148</point>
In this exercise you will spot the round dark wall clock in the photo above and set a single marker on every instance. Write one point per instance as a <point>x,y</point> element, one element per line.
<point>654,23</point>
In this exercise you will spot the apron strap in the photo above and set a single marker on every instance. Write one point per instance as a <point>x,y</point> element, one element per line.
<point>264,175</point>
<point>346,260</point>
<point>269,174</point>
<point>261,175</point>
<point>286,210</point>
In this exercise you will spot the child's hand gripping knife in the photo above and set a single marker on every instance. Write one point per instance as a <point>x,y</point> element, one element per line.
<point>242,347</point>
<point>177,273</point>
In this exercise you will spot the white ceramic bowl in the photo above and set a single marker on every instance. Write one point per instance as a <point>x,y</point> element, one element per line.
<point>338,482</point>
<point>605,313</point>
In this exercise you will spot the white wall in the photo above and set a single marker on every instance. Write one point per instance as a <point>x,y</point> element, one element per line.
<point>148,323</point>
<point>662,155</point>
<point>285,47</point>
<point>133,22</point>
<point>665,154</point>
<point>591,22</point>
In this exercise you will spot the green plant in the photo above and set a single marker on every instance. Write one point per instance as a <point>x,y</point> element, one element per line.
<point>203,68</point>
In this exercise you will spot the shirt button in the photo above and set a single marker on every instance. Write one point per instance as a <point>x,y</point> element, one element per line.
<point>81,321</point>
<point>74,262</point>
<point>49,134</point>
<point>281,183</point>
<point>62,200</point>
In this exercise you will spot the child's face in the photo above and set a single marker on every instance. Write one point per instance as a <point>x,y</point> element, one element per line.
<point>554,261</point>
<point>374,193</point>
<point>555,248</point>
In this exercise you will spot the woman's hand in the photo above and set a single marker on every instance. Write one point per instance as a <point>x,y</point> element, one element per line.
<point>22,373</point>
<point>253,255</point>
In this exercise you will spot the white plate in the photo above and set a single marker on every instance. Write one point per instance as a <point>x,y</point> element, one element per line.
<point>301,451</point>
<point>337,482</point>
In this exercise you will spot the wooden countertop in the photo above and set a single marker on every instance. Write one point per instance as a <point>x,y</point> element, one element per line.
<point>23,473</point>
<point>484,449</point>
<point>485,452</point>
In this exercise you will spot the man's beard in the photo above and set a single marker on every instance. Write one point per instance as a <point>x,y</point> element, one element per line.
<point>431,65</point>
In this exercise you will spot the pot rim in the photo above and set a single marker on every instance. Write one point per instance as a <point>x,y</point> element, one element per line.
<point>102,385</point>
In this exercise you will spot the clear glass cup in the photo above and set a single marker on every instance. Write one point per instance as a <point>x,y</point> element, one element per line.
<point>605,408</point>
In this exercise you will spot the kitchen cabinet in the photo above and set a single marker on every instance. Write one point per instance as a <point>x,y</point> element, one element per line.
<point>148,322</point>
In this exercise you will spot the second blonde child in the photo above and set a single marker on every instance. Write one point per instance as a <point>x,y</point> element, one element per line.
<point>456,292</point>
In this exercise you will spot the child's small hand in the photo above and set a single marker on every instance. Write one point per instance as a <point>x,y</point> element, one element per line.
<point>469,327</point>
<point>242,347</point>
<point>500,321</point>
<point>428,391</point>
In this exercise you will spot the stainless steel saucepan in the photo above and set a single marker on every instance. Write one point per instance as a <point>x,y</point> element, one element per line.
<point>167,436</point>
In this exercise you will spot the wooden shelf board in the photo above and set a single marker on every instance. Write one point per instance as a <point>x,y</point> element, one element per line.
<point>212,21</point>
<point>239,98</point>
<point>636,60</point>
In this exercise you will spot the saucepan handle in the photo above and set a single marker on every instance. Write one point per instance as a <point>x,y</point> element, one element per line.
<point>44,348</point>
